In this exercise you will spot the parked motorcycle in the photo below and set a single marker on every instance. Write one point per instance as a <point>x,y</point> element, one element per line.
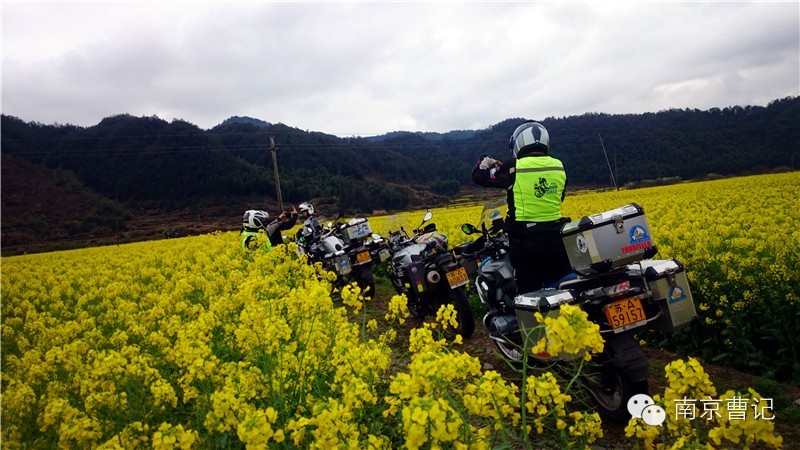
<point>428,274</point>
<point>613,282</point>
<point>364,249</point>
<point>347,249</point>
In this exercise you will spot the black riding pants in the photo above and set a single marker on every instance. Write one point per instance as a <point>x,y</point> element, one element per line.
<point>538,256</point>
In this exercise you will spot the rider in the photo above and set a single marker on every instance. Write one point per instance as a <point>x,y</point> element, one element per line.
<point>535,184</point>
<point>254,227</point>
<point>258,232</point>
<point>285,221</point>
<point>310,228</point>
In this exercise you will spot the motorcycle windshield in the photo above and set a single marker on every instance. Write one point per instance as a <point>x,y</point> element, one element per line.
<point>492,211</point>
<point>394,223</point>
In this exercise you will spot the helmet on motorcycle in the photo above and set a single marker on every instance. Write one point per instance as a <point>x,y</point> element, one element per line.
<point>530,136</point>
<point>254,219</point>
<point>306,207</point>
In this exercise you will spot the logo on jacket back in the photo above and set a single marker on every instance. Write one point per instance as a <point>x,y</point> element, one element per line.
<point>543,188</point>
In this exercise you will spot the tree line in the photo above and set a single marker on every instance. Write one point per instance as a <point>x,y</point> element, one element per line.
<point>147,159</point>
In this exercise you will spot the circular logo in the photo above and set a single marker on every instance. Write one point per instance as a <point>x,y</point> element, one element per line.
<point>583,247</point>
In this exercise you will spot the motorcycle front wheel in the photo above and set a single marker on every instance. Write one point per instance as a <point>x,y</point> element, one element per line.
<point>464,316</point>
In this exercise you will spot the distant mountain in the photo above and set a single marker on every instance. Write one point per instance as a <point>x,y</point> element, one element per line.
<point>428,135</point>
<point>146,163</point>
<point>244,119</point>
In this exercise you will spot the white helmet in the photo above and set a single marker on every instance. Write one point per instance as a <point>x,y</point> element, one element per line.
<point>529,136</point>
<point>255,219</point>
<point>306,207</point>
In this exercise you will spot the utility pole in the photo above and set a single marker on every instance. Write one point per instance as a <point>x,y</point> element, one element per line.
<point>613,179</point>
<point>273,148</point>
<point>616,172</point>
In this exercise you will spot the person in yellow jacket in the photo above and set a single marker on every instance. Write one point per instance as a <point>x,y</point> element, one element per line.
<point>254,230</point>
<point>259,232</point>
<point>536,184</point>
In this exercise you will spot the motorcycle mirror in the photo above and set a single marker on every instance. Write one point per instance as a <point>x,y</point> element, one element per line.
<point>425,218</point>
<point>468,228</point>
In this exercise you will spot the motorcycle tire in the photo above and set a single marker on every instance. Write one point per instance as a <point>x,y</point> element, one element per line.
<point>464,316</point>
<point>366,281</point>
<point>619,374</point>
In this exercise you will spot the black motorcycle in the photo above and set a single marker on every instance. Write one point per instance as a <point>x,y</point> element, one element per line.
<point>622,298</point>
<point>428,274</point>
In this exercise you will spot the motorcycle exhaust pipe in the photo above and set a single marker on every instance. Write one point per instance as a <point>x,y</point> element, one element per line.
<point>433,277</point>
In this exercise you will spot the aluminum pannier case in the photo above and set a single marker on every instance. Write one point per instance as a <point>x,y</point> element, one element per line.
<point>548,302</point>
<point>356,229</point>
<point>608,240</point>
<point>667,281</point>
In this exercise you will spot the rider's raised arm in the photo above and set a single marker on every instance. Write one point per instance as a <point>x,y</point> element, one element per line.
<point>496,175</point>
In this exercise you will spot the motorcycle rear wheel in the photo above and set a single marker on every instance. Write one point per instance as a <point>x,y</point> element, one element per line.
<point>366,281</point>
<point>464,316</point>
<point>620,374</point>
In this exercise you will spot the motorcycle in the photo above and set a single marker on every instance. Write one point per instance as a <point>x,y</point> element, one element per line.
<point>364,249</point>
<point>622,293</point>
<point>428,274</point>
<point>349,250</point>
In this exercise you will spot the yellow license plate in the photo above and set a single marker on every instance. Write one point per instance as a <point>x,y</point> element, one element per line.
<point>457,277</point>
<point>363,257</point>
<point>625,314</point>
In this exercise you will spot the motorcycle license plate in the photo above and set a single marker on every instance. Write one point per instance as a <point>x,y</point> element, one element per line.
<point>363,257</point>
<point>625,314</point>
<point>457,277</point>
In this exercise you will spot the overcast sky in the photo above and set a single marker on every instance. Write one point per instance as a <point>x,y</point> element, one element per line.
<point>370,68</point>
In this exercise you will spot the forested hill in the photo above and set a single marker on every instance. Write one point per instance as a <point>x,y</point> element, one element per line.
<point>146,160</point>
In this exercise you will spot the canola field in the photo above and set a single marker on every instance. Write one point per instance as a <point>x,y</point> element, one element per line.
<point>195,343</point>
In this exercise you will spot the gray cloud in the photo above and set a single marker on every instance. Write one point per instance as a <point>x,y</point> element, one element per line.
<point>363,68</point>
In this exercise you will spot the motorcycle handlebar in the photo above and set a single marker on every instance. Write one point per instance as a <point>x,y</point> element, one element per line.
<point>490,247</point>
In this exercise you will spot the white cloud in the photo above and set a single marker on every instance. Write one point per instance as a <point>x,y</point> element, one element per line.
<point>360,68</point>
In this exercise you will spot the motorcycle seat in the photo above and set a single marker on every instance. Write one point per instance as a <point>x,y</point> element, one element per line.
<point>568,277</point>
